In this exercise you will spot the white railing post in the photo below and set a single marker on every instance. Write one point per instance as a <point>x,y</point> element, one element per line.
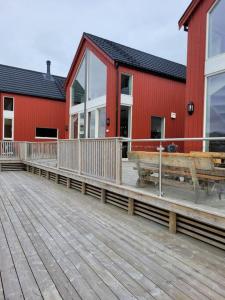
<point>118,161</point>
<point>79,156</point>
<point>58,154</point>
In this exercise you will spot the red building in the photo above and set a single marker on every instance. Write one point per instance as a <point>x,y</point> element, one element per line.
<point>32,105</point>
<point>114,90</point>
<point>205,22</point>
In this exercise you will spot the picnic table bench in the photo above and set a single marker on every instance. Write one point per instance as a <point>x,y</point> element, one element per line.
<point>195,170</point>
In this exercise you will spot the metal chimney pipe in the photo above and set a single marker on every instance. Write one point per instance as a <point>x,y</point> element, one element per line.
<point>48,62</point>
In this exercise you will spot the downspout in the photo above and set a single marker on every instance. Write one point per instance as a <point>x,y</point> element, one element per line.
<point>117,98</point>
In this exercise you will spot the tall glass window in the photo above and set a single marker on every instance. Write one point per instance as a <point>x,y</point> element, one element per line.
<point>215,111</point>
<point>217,30</point>
<point>78,87</point>
<point>102,122</point>
<point>96,77</point>
<point>91,124</point>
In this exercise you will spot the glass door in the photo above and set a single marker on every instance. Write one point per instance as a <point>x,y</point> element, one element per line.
<point>125,121</point>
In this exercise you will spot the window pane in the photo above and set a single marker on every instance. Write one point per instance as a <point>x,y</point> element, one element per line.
<point>7,128</point>
<point>46,132</point>
<point>74,133</point>
<point>125,84</point>
<point>96,78</point>
<point>91,124</point>
<point>217,30</point>
<point>82,126</point>
<point>78,87</point>
<point>157,127</point>
<point>215,111</point>
<point>102,122</point>
<point>8,104</point>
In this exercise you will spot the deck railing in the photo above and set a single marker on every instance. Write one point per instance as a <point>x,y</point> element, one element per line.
<point>100,158</point>
<point>12,150</point>
<point>41,150</point>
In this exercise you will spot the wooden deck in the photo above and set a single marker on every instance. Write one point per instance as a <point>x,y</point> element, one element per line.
<point>57,243</point>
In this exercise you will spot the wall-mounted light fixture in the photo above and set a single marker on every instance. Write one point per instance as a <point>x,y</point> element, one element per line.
<point>190,108</point>
<point>108,121</point>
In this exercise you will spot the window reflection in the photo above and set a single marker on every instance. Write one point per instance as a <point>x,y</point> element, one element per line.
<point>91,124</point>
<point>126,84</point>
<point>78,87</point>
<point>102,122</point>
<point>217,29</point>
<point>215,108</point>
<point>96,78</point>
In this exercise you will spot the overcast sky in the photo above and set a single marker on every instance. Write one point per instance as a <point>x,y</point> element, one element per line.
<point>32,31</point>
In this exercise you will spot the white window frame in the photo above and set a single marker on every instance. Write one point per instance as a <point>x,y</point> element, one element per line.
<point>46,138</point>
<point>8,114</point>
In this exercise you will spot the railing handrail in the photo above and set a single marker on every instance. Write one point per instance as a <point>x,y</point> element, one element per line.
<point>196,139</point>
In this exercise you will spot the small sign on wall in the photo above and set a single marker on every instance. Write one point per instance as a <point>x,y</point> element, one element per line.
<point>173,115</point>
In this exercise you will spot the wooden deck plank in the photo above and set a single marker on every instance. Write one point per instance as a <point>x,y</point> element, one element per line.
<point>115,270</point>
<point>106,276</point>
<point>204,288</point>
<point>197,284</point>
<point>27,281</point>
<point>44,281</point>
<point>216,261</point>
<point>76,238</point>
<point>9,277</point>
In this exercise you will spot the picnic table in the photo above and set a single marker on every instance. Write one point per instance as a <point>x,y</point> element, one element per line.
<point>194,170</point>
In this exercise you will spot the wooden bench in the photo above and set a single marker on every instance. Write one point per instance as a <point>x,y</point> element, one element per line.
<point>197,172</point>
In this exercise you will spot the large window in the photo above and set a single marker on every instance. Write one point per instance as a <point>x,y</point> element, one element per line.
<point>157,127</point>
<point>91,77</point>
<point>78,87</point>
<point>126,82</point>
<point>217,30</point>
<point>96,77</point>
<point>46,133</point>
<point>215,110</point>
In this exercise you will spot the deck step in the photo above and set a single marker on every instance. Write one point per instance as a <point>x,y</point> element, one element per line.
<point>12,167</point>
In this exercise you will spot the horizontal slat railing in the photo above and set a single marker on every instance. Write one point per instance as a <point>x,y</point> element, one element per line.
<point>41,150</point>
<point>100,158</point>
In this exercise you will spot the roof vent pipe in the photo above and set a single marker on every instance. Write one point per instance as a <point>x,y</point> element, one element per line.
<point>48,62</point>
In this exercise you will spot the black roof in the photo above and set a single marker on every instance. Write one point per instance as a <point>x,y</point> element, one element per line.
<point>26,82</point>
<point>140,60</point>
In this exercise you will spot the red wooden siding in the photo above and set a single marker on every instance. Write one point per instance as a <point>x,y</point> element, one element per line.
<point>195,71</point>
<point>32,112</point>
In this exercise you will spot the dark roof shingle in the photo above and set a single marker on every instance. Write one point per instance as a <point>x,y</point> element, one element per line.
<point>32,83</point>
<point>139,59</point>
